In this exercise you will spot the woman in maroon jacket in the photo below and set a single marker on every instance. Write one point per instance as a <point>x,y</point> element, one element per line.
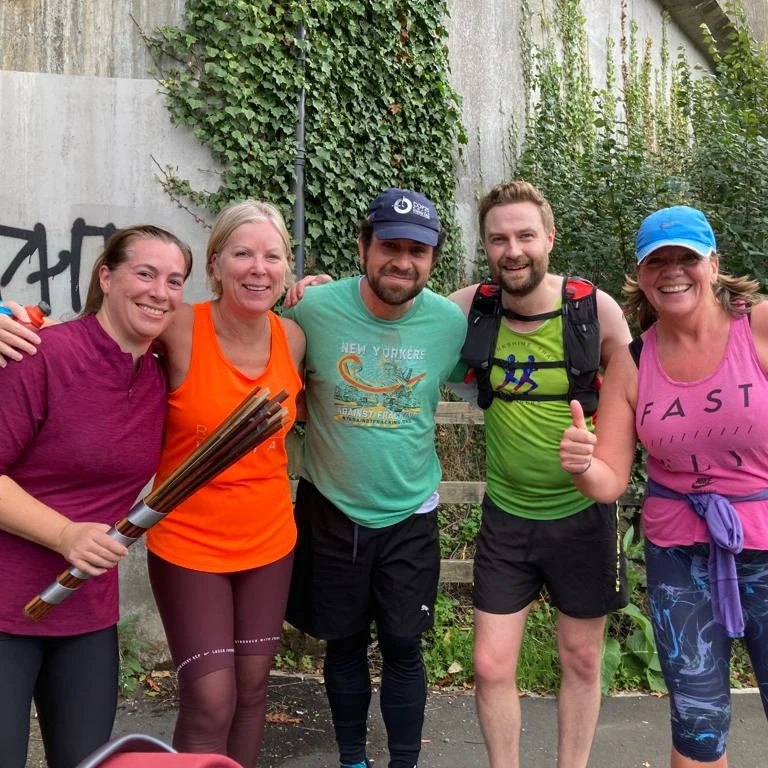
<point>80,431</point>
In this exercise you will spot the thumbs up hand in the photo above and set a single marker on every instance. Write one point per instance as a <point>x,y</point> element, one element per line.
<point>578,443</point>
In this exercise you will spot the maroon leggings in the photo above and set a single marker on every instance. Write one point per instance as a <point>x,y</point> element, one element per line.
<point>223,630</point>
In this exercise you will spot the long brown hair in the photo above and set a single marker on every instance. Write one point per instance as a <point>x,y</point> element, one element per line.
<point>117,251</point>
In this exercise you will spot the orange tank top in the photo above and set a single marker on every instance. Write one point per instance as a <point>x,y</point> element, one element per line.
<point>244,517</point>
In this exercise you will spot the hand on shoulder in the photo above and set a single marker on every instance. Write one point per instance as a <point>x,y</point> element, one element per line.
<point>296,292</point>
<point>17,338</point>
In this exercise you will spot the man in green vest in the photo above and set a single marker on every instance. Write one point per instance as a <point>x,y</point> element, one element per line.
<point>537,530</point>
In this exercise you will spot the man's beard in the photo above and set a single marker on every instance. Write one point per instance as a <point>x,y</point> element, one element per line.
<point>536,274</point>
<point>394,295</point>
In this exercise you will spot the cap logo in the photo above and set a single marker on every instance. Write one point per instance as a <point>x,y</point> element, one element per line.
<point>402,205</point>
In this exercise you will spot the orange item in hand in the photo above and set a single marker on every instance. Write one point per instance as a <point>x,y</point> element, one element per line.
<point>38,313</point>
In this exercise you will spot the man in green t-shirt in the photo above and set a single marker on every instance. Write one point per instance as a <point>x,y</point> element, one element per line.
<point>537,529</point>
<point>379,346</point>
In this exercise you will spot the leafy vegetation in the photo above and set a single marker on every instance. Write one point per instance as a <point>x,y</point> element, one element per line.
<point>379,109</point>
<point>630,659</point>
<point>652,136</point>
<point>726,162</point>
<point>448,646</point>
<point>134,672</point>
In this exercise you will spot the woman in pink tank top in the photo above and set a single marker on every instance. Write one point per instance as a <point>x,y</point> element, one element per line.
<point>697,398</point>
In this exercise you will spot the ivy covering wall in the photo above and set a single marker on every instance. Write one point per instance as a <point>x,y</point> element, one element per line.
<point>379,110</point>
<point>658,134</point>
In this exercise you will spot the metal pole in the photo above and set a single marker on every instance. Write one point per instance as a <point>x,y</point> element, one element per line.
<point>298,177</point>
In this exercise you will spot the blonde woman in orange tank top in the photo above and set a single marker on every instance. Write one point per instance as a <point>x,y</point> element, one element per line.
<point>220,565</point>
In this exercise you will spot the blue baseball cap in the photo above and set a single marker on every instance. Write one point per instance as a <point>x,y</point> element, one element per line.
<point>679,225</point>
<point>402,213</point>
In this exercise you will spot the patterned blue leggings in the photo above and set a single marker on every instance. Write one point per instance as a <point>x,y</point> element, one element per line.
<point>694,651</point>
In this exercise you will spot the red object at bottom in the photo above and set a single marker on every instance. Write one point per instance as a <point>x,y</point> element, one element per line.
<point>167,760</point>
<point>139,751</point>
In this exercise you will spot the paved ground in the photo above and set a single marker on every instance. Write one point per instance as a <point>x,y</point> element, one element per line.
<point>633,730</point>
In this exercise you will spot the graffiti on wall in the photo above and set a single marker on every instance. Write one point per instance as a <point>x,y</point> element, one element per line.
<point>34,257</point>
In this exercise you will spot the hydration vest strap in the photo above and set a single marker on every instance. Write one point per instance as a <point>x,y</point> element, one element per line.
<point>520,364</point>
<point>512,315</point>
<point>503,395</point>
<point>581,342</point>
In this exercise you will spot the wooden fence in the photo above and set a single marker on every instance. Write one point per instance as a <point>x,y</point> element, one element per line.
<point>459,491</point>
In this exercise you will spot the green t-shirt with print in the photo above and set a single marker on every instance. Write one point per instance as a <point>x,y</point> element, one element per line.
<point>372,387</point>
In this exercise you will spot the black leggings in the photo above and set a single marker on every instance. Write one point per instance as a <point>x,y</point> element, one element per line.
<point>73,681</point>
<point>403,695</point>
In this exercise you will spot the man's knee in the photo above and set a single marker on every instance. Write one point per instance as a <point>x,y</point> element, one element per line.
<point>406,649</point>
<point>400,651</point>
<point>494,666</point>
<point>347,647</point>
<point>580,647</point>
<point>582,662</point>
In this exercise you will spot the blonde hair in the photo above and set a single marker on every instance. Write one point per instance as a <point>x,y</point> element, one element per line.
<point>234,216</point>
<point>736,295</point>
<point>518,191</point>
<point>117,251</point>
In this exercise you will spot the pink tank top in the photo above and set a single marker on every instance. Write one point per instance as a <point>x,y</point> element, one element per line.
<point>706,436</point>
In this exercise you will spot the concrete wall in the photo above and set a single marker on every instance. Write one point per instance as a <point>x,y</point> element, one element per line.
<point>486,70</point>
<point>82,129</point>
<point>82,37</point>
<point>82,123</point>
<point>757,16</point>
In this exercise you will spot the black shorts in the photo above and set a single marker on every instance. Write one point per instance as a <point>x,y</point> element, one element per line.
<point>579,559</point>
<point>346,575</point>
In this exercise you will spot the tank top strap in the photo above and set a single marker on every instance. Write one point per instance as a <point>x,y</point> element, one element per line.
<point>741,338</point>
<point>204,341</point>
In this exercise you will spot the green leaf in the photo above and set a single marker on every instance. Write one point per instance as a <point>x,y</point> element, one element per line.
<point>610,663</point>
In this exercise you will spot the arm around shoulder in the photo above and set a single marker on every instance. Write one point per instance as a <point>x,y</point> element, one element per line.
<point>463,297</point>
